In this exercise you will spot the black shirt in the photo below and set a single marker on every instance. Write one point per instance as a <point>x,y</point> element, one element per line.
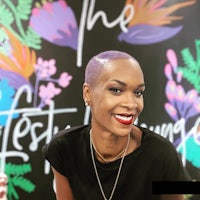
<point>155,160</point>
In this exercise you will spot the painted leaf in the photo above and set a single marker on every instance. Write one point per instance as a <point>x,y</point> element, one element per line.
<point>23,9</point>
<point>6,17</point>
<point>147,34</point>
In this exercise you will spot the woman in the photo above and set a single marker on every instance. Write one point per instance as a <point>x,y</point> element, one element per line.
<point>111,158</point>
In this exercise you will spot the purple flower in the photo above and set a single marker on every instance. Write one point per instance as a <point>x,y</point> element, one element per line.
<point>56,23</point>
<point>181,104</point>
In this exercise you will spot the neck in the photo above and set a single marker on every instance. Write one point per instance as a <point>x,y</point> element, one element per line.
<point>110,152</point>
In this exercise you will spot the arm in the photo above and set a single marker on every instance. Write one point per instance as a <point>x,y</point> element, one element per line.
<point>172,197</point>
<point>63,190</point>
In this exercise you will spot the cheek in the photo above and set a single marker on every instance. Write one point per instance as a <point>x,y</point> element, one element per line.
<point>141,105</point>
<point>99,97</point>
<point>102,103</point>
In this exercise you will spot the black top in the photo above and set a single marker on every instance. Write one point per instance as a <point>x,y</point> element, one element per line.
<point>155,160</point>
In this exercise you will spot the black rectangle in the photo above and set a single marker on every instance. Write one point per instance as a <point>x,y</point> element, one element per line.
<point>176,187</point>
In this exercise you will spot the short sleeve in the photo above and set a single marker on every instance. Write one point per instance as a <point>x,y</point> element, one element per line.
<point>53,153</point>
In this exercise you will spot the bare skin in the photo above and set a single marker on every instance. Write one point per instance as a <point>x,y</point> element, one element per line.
<point>63,190</point>
<point>172,197</point>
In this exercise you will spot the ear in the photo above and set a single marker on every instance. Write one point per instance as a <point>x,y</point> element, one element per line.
<point>86,94</point>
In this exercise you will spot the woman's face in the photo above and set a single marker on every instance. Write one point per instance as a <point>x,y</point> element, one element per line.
<point>116,99</point>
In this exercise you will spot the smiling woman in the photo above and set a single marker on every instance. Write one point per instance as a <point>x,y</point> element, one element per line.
<point>111,158</point>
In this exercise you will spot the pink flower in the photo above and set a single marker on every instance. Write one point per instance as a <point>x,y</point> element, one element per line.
<point>45,69</point>
<point>171,90</point>
<point>171,110</point>
<point>172,58</point>
<point>171,68</point>
<point>48,92</point>
<point>64,79</point>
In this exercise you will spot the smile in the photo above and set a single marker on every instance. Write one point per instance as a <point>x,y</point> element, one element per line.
<point>124,119</point>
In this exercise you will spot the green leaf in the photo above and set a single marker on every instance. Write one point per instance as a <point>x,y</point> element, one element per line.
<point>191,70</point>
<point>188,59</point>
<point>32,39</point>
<point>15,179</point>
<point>23,183</point>
<point>12,191</point>
<point>24,9</point>
<point>12,169</point>
<point>6,17</point>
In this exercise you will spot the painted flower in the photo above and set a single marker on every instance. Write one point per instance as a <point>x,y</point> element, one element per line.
<point>48,92</point>
<point>171,68</point>
<point>16,61</point>
<point>56,23</point>
<point>184,105</point>
<point>181,104</point>
<point>44,68</point>
<point>148,24</point>
<point>64,79</point>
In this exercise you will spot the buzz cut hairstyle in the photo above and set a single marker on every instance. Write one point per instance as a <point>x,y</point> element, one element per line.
<point>96,64</point>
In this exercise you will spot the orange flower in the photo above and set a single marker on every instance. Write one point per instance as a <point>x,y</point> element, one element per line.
<point>151,12</point>
<point>18,58</point>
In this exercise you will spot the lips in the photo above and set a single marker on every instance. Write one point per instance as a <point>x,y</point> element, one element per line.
<point>124,119</point>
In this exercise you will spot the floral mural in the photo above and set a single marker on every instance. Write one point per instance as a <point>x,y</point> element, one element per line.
<point>40,41</point>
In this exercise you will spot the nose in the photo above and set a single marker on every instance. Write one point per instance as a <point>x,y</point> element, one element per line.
<point>130,101</point>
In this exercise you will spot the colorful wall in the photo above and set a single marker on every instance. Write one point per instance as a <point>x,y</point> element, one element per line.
<point>44,48</point>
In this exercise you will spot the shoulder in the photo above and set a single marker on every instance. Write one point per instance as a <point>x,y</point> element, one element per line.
<point>66,138</point>
<point>156,142</point>
<point>154,137</point>
<point>163,153</point>
<point>70,133</point>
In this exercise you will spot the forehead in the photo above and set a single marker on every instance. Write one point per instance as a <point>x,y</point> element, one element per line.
<point>122,69</point>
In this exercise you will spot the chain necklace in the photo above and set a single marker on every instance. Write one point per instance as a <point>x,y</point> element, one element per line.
<point>118,173</point>
<point>104,159</point>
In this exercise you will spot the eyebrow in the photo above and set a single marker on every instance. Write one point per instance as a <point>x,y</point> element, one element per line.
<point>124,84</point>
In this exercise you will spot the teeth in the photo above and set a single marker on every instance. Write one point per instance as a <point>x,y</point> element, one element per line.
<point>125,118</point>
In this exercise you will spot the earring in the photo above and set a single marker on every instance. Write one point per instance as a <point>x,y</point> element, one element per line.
<point>86,103</point>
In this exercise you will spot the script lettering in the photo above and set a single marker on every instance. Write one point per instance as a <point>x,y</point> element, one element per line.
<point>25,127</point>
<point>90,20</point>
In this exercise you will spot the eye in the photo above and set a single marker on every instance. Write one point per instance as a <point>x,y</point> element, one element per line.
<point>116,91</point>
<point>139,93</point>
